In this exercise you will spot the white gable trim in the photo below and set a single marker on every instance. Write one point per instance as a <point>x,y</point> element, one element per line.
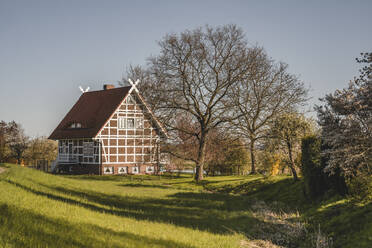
<point>157,123</point>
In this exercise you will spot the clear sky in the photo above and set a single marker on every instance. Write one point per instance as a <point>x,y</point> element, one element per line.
<point>49,48</point>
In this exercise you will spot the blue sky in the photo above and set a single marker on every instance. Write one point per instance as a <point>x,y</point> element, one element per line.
<point>49,48</point>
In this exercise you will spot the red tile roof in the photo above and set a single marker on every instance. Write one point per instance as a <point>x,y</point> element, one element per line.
<point>92,110</point>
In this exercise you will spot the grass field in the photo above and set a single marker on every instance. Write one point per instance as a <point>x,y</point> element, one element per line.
<point>43,210</point>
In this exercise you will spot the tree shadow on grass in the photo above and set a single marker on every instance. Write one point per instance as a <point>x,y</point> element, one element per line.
<point>286,191</point>
<point>203,212</point>
<point>215,213</point>
<point>24,228</point>
<point>116,178</point>
<point>139,185</point>
<point>223,181</point>
<point>124,177</point>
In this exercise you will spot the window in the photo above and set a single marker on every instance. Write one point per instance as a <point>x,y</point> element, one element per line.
<point>122,170</point>
<point>121,123</point>
<point>130,123</point>
<point>149,169</point>
<point>75,125</point>
<point>139,123</point>
<point>63,148</point>
<point>88,149</point>
<point>135,170</point>
<point>108,170</point>
<point>96,150</point>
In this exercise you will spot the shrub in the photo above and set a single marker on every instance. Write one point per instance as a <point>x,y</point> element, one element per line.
<point>336,179</point>
<point>360,187</point>
<point>315,181</point>
<point>313,162</point>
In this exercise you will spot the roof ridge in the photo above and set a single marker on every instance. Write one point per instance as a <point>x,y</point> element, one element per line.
<point>93,91</point>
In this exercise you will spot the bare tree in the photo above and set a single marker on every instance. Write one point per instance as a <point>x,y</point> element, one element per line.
<point>264,93</point>
<point>147,86</point>
<point>192,76</point>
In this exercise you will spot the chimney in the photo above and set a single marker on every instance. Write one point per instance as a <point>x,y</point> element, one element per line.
<point>108,86</point>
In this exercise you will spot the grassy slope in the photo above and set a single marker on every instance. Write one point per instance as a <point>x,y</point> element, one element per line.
<point>349,223</point>
<point>38,210</point>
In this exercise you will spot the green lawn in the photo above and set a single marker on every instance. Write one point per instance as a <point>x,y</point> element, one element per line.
<point>43,210</point>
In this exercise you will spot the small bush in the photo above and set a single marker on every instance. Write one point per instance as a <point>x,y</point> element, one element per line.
<point>315,181</point>
<point>360,187</point>
<point>313,162</point>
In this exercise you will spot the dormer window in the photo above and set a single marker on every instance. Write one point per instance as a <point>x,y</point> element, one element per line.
<point>75,125</point>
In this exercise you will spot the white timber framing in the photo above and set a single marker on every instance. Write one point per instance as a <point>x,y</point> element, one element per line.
<point>74,149</point>
<point>111,145</point>
<point>138,145</point>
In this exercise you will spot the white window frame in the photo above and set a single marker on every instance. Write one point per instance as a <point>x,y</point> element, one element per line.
<point>64,147</point>
<point>75,125</point>
<point>134,123</point>
<point>110,168</point>
<point>88,149</point>
<point>150,167</point>
<point>130,123</point>
<point>137,171</point>
<point>125,170</point>
<point>138,123</point>
<point>60,147</point>
<point>122,123</point>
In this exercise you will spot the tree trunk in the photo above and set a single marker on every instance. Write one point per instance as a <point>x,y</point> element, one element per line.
<point>253,158</point>
<point>18,157</point>
<point>292,163</point>
<point>199,173</point>
<point>200,160</point>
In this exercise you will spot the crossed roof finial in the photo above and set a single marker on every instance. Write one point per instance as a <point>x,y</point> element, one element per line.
<point>133,85</point>
<point>82,90</point>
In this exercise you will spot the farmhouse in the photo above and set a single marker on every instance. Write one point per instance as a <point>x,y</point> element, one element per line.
<point>110,131</point>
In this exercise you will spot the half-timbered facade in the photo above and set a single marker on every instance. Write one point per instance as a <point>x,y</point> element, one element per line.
<point>111,131</point>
